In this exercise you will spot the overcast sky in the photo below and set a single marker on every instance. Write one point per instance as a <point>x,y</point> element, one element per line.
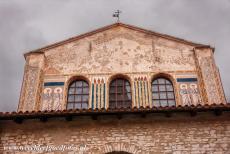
<point>27,25</point>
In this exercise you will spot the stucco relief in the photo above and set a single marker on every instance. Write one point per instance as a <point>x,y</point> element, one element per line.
<point>122,51</point>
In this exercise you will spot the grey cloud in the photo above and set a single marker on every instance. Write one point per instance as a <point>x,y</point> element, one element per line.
<point>27,25</point>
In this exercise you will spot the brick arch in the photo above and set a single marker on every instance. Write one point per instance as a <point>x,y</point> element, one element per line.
<point>118,152</point>
<point>119,75</point>
<point>77,77</point>
<point>164,75</point>
<point>124,147</point>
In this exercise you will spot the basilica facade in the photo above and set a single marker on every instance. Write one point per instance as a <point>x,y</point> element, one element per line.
<point>122,70</point>
<point>149,68</point>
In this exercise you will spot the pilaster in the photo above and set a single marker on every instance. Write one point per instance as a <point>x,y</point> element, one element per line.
<point>32,82</point>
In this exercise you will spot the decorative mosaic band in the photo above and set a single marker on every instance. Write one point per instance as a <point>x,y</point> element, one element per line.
<point>186,79</point>
<point>98,94</point>
<point>141,92</point>
<point>46,84</point>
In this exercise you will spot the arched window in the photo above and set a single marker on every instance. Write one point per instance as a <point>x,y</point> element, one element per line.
<point>78,95</point>
<point>120,93</point>
<point>162,92</point>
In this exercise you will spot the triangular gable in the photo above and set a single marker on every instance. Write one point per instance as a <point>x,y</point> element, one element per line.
<point>172,38</point>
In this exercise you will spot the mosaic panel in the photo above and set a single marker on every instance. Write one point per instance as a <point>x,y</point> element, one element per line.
<point>189,92</point>
<point>118,51</point>
<point>52,97</point>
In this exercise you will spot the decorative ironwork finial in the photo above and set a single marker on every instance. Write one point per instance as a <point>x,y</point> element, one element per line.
<point>117,15</point>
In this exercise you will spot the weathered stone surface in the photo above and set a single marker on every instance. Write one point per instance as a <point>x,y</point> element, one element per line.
<point>205,133</point>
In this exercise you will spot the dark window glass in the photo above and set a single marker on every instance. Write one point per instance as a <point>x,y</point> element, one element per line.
<point>120,94</point>
<point>69,105</point>
<point>78,95</point>
<point>162,92</point>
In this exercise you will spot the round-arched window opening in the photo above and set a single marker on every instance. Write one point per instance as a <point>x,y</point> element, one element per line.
<point>120,93</point>
<point>163,92</point>
<point>78,95</point>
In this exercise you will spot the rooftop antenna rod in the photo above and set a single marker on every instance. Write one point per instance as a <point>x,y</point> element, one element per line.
<point>117,15</point>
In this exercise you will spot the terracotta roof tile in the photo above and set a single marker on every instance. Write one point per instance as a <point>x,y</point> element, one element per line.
<point>75,112</point>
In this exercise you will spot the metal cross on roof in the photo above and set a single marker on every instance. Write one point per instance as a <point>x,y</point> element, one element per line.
<point>117,15</point>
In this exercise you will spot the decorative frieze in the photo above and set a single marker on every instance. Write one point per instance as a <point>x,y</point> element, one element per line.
<point>141,92</point>
<point>98,93</point>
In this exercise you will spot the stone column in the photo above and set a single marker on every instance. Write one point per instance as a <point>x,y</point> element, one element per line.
<point>32,82</point>
<point>210,85</point>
